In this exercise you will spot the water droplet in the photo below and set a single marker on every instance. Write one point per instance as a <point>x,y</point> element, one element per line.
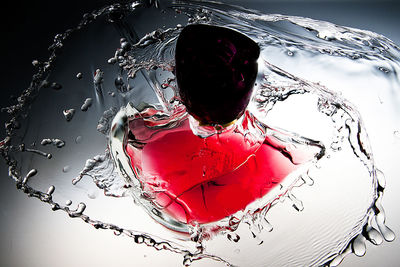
<point>86,104</point>
<point>79,75</point>
<point>78,139</point>
<point>51,190</point>
<point>358,246</point>
<point>187,262</point>
<point>381,178</point>
<point>296,203</point>
<point>45,142</point>
<point>68,202</point>
<point>125,45</point>
<point>36,151</point>
<point>92,194</point>
<point>307,179</point>
<point>119,84</point>
<point>384,70</point>
<point>55,141</point>
<point>69,114</point>
<point>66,169</point>
<point>233,237</point>
<point>30,174</point>
<point>104,123</point>
<point>98,77</point>
<point>112,60</point>
<point>387,233</point>
<point>56,86</point>
<point>374,236</point>
<point>139,239</point>
<point>79,210</point>
<point>396,134</point>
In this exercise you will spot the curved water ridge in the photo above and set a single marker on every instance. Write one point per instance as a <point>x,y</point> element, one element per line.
<point>316,217</point>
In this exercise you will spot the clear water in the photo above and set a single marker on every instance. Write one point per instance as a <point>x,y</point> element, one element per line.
<point>322,81</point>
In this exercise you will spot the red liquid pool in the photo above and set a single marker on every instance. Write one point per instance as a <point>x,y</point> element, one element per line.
<point>206,179</point>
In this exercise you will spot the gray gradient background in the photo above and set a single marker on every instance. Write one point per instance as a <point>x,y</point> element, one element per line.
<point>33,235</point>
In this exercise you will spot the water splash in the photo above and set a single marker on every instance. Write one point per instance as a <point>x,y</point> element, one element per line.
<point>143,77</point>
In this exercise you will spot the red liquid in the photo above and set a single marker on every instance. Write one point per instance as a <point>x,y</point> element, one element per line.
<point>207,179</point>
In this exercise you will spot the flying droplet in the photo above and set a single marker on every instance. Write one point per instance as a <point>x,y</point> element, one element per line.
<point>92,194</point>
<point>66,169</point>
<point>86,104</point>
<point>56,86</point>
<point>69,114</point>
<point>78,139</point>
